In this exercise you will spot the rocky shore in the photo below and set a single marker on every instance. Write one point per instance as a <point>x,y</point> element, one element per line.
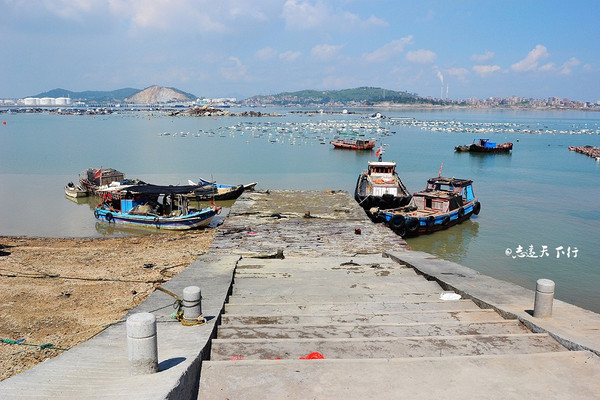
<point>57,293</point>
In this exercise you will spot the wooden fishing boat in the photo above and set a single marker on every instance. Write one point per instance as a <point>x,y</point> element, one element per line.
<point>485,146</point>
<point>445,202</point>
<point>206,190</point>
<point>353,144</point>
<point>75,191</point>
<point>154,206</point>
<point>380,187</point>
<point>93,179</point>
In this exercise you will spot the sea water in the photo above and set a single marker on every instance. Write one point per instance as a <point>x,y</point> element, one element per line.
<point>540,213</point>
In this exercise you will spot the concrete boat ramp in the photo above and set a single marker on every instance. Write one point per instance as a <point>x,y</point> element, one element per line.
<point>307,299</point>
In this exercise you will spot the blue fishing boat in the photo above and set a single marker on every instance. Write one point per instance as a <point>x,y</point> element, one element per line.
<point>445,202</point>
<point>154,206</point>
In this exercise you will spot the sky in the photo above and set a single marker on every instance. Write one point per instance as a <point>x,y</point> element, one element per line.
<point>457,49</point>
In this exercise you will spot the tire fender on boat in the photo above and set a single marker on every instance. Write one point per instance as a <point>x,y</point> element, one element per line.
<point>397,222</point>
<point>412,225</point>
<point>461,212</point>
<point>157,222</point>
<point>476,208</point>
<point>109,217</point>
<point>96,214</point>
<point>430,221</point>
<point>446,220</point>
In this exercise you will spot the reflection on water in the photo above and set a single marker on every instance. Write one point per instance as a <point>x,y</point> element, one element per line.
<point>90,201</point>
<point>450,244</point>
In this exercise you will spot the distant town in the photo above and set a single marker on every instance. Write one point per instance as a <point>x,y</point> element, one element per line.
<point>156,98</point>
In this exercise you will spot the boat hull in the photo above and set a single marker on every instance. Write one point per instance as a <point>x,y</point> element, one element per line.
<point>410,224</point>
<point>385,201</point>
<point>353,146</point>
<point>193,220</point>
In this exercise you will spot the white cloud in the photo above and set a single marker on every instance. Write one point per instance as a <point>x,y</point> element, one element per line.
<point>326,51</point>
<point>421,56</point>
<point>458,72</point>
<point>388,50</point>
<point>547,67</point>
<point>565,69</point>
<point>235,70</point>
<point>305,15</point>
<point>531,62</point>
<point>481,58</point>
<point>290,55</point>
<point>266,53</point>
<point>484,70</point>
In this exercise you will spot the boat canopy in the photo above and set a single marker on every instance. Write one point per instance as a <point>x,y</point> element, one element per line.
<point>382,167</point>
<point>441,183</point>
<point>158,189</point>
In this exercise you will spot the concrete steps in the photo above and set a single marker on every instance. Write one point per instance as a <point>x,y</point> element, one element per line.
<point>364,313</point>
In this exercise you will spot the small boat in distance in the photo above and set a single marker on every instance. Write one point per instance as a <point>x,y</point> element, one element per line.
<point>485,146</point>
<point>380,187</point>
<point>444,202</point>
<point>353,144</point>
<point>154,206</point>
<point>75,191</point>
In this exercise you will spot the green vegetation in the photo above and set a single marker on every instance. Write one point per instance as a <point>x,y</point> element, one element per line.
<point>363,95</point>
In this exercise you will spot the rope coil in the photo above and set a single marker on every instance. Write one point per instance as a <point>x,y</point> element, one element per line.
<point>178,305</point>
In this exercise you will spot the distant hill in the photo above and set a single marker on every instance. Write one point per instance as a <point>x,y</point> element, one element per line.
<point>362,95</point>
<point>158,94</point>
<point>152,95</point>
<point>91,95</point>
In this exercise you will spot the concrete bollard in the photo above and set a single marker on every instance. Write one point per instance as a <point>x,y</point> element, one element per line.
<point>544,296</point>
<point>142,347</point>
<point>192,303</point>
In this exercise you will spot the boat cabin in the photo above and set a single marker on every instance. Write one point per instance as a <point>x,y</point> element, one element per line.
<point>444,194</point>
<point>484,143</point>
<point>382,176</point>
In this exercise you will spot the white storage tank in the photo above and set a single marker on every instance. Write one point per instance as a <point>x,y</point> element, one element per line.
<point>63,101</point>
<point>47,101</point>
<point>31,101</point>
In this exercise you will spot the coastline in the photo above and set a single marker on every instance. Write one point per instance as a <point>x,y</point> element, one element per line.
<point>64,291</point>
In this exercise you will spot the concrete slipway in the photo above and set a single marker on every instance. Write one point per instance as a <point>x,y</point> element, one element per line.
<point>360,299</point>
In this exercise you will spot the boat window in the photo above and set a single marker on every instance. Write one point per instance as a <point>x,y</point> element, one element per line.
<point>427,203</point>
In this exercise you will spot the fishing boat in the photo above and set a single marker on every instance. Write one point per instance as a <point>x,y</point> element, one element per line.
<point>353,144</point>
<point>380,187</point>
<point>93,179</point>
<point>485,146</point>
<point>154,206</point>
<point>75,191</point>
<point>444,202</point>
<point>207,190</point>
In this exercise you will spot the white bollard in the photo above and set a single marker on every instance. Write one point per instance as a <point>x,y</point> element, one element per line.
<point>544,297</point>
<point>142,347</point>
<point>192,303</point>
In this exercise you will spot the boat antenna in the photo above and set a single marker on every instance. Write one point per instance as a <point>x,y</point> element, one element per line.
<point>440,171</point>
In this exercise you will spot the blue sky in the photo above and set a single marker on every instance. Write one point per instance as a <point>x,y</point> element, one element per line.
<point>239,48</point>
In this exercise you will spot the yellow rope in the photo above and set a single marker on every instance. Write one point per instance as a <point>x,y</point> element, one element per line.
<point>179,313</point>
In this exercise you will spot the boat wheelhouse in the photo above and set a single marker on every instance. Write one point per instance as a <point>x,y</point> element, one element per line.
<point>444,202</point>
<point>380,187</point>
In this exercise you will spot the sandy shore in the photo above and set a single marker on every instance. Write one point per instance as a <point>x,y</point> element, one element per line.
<point>65,291</point>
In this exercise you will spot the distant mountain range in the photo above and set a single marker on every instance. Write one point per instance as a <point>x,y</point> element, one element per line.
<point>361,95</point>
<point>157,94</point>
<point>151,95</point>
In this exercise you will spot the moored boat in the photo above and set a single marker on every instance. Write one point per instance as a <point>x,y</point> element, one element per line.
<point>154,206</point>
<point>353,144</point>
<point>485,146</point>
<point>75,191</point>
<point>380,187</point>
<point>444,202</point>
<point>206,190</point>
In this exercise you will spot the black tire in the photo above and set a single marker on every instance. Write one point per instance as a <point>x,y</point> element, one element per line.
<point>476,208</point>
<point>397,222</point>
<point>157,222</point>
<point>461,213</point>
<point>412,225</point>
<point>430,221</point>
<point>109,217</point>
<point>96,214</point>
<point>446,221</point>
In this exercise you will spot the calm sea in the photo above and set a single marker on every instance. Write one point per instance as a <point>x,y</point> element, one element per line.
<point>540,213</point>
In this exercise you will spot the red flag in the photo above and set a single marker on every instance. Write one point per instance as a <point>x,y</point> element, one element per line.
<point>98,173</point>
<point>378,152</point>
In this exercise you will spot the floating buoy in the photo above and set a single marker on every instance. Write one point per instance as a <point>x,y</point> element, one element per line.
<point>3,122</point>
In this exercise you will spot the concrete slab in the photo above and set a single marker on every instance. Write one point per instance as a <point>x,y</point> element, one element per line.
<point>563,375</point>
<point>334,298</point>
<point>574,327</point>
<point>297,331</point>
<point>406,317</point>
<point>356,308</point>
<point>368,348</point>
